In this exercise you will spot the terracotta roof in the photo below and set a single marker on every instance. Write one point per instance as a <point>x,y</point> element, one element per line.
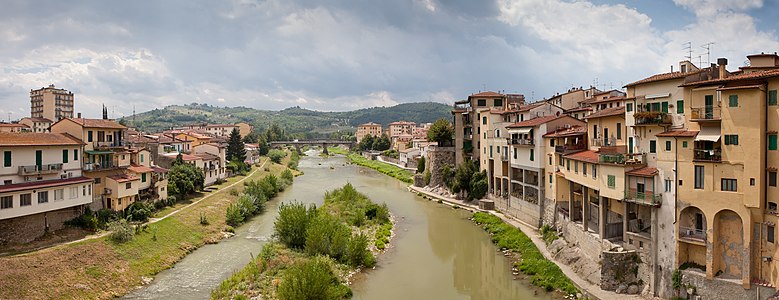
<point>11,139</point>
<point>533,122</point>
<point>661,77</point>
<point>531,106</point>
<point>184,156</point>
<point>42,184</point>
<point>586,156</point>
<point>565,132</point>
<point>139,139</point>
<point>370,124</point>
<point>579,109</point>
<point>614,111</point>
<point>678,133</point>
<point>402,123</point>
<point>123,177</point>
<point>96,123</point>
<point>486,94</point>
<point>159,170</point>
<point>140,169</point>
<point>206,156</point>
<point>747,76</point>
<point>220,125</point>
<point>39,120</point>
<point>13,125</point>
<point>642,172</point>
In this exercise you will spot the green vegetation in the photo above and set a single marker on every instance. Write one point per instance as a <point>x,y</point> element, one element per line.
<point>277,155</point>
<point>465,179</point>
<point>293,160</point>
<point>255,194</point>
<point>542,272</point>
<point>121,231</point>
<point>548,234</point>
<point>235,147</point>
<point>298,122</point>
<point>370,142</point>
<point>184,178</point>
<point>441,131</point>
<point>421,165</point>
<point>316,249</point>
<point>392,171</point>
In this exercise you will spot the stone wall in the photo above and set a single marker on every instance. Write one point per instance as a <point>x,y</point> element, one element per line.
<point>437,158</point>
<point>590,245</point>
<point>548,213</point>
<point>619,272</point>
<point>419,180</point>
<point>703,288</point>
<point>27,228</point>
<point>520,209</point>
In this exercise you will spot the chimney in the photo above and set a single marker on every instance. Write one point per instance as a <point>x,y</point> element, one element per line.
<point>79,115</point>
<point>722,62</point>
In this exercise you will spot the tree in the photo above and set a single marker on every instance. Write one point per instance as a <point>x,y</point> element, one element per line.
<point>366,143</point>
<point>275,133</point>
<point>478,185</point>
<point>292,223</point>
<point>382,143</point>
<point>184,178</point>
<point>235,148</point>
<point>179,160</point>
<point>277,155</point>
<point>421,165</point>
<point>441,131</point>
<point>264,147</point>
<point>251,138</point>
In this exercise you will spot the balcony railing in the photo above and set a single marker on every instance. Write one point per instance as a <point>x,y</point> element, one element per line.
<point>42,169</point>
<point>694,234</point>
<point>602,142</point>
<point>706,113</point>
<point>645,198</point>
<point>565,149</point>
<point>524,142</point>
<point>623,159</point>
<point>714,155</point>
<point>99,166</point>
<point>504,157</point>
<point>652,118</point>
<point>108,144</point>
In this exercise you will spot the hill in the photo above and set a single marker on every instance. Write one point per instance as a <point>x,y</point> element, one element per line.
<point>294,120</point>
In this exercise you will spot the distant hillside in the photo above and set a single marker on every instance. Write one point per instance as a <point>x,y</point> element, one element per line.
<point>294,120</point>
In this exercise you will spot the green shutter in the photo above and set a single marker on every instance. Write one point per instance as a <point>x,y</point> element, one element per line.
<point>89,136</point>
<point>733,101</point>
<point>735,139</point>
<point>665,106</point>
<point>679,106</point>
<point>652,146</point>
<point>143,177</point>
<point>550,178</point>
<point>684,144</point>
<point>141,157</point>
<point>727,139</point>
<point>629,107</point>
<point>612,181</point>
<point>772,142</point>
<point>667,145</point>
<point>64,156</point>
<point>772,97</point>
<point>531,155</point>
<point>6,158</point>
<point>75,154</point>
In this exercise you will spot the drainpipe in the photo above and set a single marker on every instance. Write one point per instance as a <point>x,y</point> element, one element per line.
<point>765,183</point>
<point>676,179</point>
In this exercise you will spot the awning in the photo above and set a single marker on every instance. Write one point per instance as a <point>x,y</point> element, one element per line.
<point>709,134</point>
<point>96,152</point>
<point>655,96</point>
<point>521,130</point>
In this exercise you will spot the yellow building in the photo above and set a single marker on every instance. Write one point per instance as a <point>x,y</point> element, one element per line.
<point>51,103</point>
<point>363,130</point>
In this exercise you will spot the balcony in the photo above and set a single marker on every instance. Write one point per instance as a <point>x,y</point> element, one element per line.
<point>108,144</point>
<point>38,170</point>
<point>523,142</point>
<point>652,118</point>
<point>706,114</point>
<point>713,155</point>
<point>603,142</point>
<point>622,159</point>
<point>504,157</point>
<point>692,234</point>
<point>643,198</point>
<point>566,149</point>
<point>99,166</point>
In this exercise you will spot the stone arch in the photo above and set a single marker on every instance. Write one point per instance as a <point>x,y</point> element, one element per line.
<point>728,245</point>
<point>693,237</point>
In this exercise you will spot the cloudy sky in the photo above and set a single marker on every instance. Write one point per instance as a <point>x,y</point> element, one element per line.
<point>343,55</point>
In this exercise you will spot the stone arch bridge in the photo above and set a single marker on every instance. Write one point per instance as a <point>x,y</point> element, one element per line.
<point>323,143</point>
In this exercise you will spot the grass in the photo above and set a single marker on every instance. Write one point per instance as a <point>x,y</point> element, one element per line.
<point>542,272</point>
<point>101,269</point>
<point>384,168</point>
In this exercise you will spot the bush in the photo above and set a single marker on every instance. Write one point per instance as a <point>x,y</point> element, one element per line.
<point>121,231</point>
<point>139,211</point>
<point>292,222</point>
<point>277,155</point>
<point>203,219</point>
<point>234,217</point>
<point>87,220</point>
<point>311,279</point>
<point>287,176</point>
<point>326,235</point>
<point>357,252</point>
<point>427,177</point>
<point>233,192</point>
<point>106,216</point>
<point>421,165</point>
<point>184,178</point>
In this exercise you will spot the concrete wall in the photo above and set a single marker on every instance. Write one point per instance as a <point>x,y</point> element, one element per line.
<point>28,228</point>
<point>437,158</point>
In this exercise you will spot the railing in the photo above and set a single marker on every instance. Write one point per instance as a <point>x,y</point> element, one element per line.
<point>692,234</point>
<point>107,191</point>
<point>706,113</point>
<point>527,142</point>
<point>108,144</point>
<point>645,198</point>
<point>504,157</point>
<point>714,155</point>
<point>42,169</point>
<point>98,166</point>
<point>565,149</point>
<point>623,159</point>
<point>652,118</point>
<point>601,142</point>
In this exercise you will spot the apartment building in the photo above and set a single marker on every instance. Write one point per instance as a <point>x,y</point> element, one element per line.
<point>37,124</point>
<point>13,127</point>
<point>467,118</point>
<point>42,184</point>
<point>396,129</point>
<point>220,129</point>
<point>51,103</point>
<point>215,161</point>
<point>363,130</point>
<point>573,97</point>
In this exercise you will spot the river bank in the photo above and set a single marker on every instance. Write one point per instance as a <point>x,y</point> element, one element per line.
<point>383,167</point>
<point>97,268</point>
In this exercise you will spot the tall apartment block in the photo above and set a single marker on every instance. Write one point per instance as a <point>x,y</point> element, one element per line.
<point>51,103</point>
<point>467,115</point>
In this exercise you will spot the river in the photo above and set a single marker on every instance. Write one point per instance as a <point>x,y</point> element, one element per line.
<point>437,252</point>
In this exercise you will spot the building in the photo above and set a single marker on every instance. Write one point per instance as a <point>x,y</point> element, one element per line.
<point>37,124</point>
<point>42,184</point>
<point>216,169</point>
<point>220,129</point>
<point>363,130</point>
<point>51,103</point>
<point>573,97</point>
<point>396,129</point>
<point>13,127</point>
<point>467,117</point>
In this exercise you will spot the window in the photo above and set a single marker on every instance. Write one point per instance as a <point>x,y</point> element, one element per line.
<point>551,143</point>
<point>141,157</point>
<point>490,151</point>
<point>65,156</point>
<point>550,178</point>
<point>515,155</point>
<point>652,146</point>
<point>128,185</point>
<point>89,136</point>
<point>728,185</point>
<point>43,197</point>
<point>484,120</point>
<point>698,177</point>
<point>97,180</point>
<point>584,169</point>
<point>6,202</point>
<point>612,181</point>
<point>772,206</point>
<point>531,155</point>
<point>619,131</point>
<point>481,102</point>
<point>73,192</point>
<point>497,149</point>
<point>733,101</point>
<point>752,181</point>
<point>629,107</point>
<point>498,102</point>
<point>6,159</point>
<point>731,139</point>
<point>684,144</point>
<point>772,142</point>
<point>83,190</point>
<point>594,171</point>
<point>576,167</point>
<point>772,178</point>
<point>772,97</point>
<point>667,145</point>
<point>550,160</point>
<point>770,233</point>
<point>25,199</point>
<point>560,160</point>
<point>679,106</point>
<point>59,194</point>
<point>75,154</point>
<point>668,184</point>
<point>568,164</point>
<point>664,106</point>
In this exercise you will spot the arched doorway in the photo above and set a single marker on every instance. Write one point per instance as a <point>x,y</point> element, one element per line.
<point>729,254</point>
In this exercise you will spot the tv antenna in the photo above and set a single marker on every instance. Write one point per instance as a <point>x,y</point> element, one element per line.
<point>707,46</point>
<point>688,48</point>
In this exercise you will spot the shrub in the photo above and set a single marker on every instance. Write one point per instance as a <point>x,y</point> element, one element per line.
<point>357,252</point>
<point>87,220</point>
<point>311,279</point>
<point>233,192</point>
<point>234,217</point>
<point>121,231</point>
<point>427,177</point>
<point>421,165</point>
<point>139,211</point>
<point>287,176</point>
<point>203,219</point>
<point>326,235</point>
<point>276,155</point>
<point>292,222</point>
<point>106,216</point>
